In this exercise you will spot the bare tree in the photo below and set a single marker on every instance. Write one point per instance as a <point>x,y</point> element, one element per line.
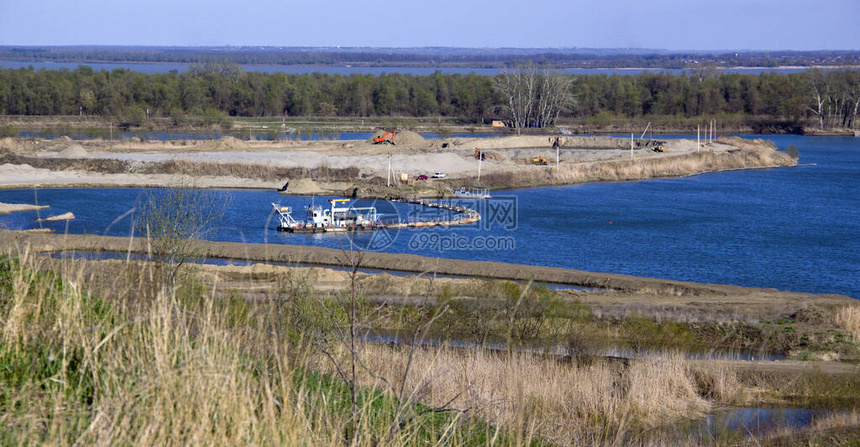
<point>173,218</point>
<point>533,96</point>
<point>554,96</point>
<point>347,320</point>
<point>819,94</point>
<point>704,70</point>
<point>519,88</point>
<point>851,90</point>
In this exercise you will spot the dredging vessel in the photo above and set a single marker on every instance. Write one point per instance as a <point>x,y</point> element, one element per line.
<point>348,218</point>
<point>322,220</point>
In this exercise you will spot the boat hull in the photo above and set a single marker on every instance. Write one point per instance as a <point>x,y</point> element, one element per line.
<point>327,229</point>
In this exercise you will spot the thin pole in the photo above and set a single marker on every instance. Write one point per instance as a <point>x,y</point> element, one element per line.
<point>480,159</point>
<point>698,138</point>
<point>631,146</point>
<point>646,130</point>
<point>389,170</point>
<point>557,147</point>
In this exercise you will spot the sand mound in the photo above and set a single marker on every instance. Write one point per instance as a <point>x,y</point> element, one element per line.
<point>65,146</point>
<point>9,169</point>
<point>303,186</point>
<point>407,137</point>
<point>74,151</point>
<point>9,143</point>
<point>402,137</point>
<point>224,144</point>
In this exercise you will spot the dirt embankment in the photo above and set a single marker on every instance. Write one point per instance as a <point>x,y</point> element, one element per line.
<point>307,255</point>
<point>362,166</point>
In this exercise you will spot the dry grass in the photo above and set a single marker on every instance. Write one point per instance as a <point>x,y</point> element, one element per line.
<point>117,357</point>
<point>114,378</point>
<point>599,403</point>
<point>839,428</point>
<point>144,363</point>
<point>848,318</point>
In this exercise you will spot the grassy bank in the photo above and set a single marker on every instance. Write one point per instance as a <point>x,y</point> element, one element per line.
<point>136,358</point>
<point>129,352</point>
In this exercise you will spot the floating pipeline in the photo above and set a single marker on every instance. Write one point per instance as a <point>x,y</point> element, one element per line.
<point>472,216</point>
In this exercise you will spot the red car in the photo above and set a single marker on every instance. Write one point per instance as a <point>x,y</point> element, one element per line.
<point>421,177</point>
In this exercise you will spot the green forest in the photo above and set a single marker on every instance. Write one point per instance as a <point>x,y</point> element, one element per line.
<point>823,99</point>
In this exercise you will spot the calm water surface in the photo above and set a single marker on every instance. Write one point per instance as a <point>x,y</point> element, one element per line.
<point>789,228</point>
<point>149,68</point>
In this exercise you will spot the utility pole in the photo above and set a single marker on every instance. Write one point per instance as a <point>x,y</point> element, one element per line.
<point>389,169</point>
<point>631,146</point>
<point>480,159</point>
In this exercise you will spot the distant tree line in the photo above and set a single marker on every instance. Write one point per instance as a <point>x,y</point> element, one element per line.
<point>430,57</point>
<point>829,98</point>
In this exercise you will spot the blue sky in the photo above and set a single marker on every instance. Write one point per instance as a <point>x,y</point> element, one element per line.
<point>659,24</point>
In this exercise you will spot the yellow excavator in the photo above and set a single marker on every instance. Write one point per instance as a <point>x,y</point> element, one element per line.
<point>387,137</point>
<point>538,160</point>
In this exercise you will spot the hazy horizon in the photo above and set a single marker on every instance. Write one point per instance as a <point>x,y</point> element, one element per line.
<point>642,50</point>
<point>670,25</point>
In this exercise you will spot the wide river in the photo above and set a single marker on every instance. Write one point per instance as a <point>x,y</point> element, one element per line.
<point>348,70</point>
<point>790,228</point>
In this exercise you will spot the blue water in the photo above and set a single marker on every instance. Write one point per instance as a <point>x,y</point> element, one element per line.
<point>758,421</point>
<point>790,228</point>
<point>150,68</point>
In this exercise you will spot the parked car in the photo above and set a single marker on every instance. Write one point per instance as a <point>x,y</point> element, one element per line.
<point>439,175</point>
<point>421,177</point>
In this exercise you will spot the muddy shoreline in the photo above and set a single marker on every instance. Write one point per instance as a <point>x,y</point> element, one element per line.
<point>328,257</point>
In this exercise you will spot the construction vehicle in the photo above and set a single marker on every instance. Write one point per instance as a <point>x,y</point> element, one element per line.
<point>538,160</point>
<point>480,155</point>
<point>387,137</point>
<point>659,149</point>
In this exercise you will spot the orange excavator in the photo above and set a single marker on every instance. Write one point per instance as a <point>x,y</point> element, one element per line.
<point>387,137</point>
